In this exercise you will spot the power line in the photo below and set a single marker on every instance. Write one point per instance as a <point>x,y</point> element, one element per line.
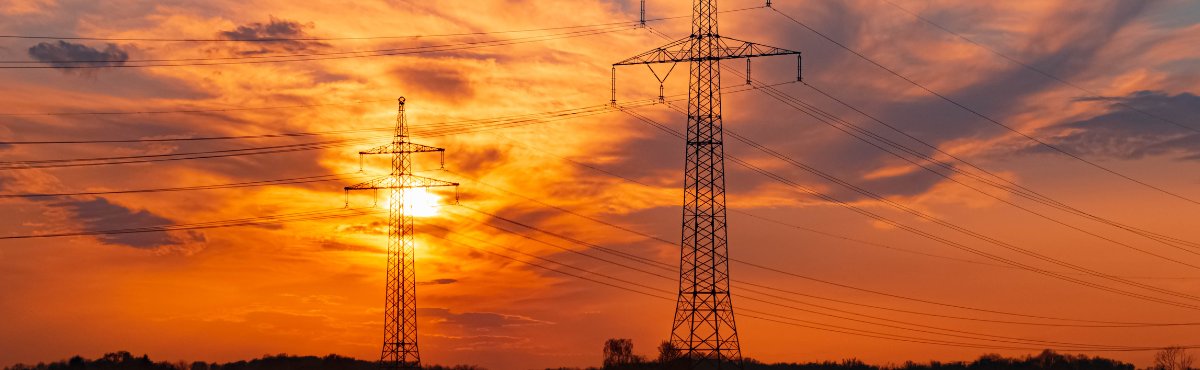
<point>824,233</point>
<point>325,214</point>
<point>346,38</point>
<point>456,129</point>
<point>669,268</point>
<point>451,128</point>
<point>431,128</point>
<point>982,237</point>
<point>828,177</point>
<point>968,335</point>
<point>235,185</point>
<point>1038,70</point>
<point>660,265</point>
<point>825,117</point>
<point>319,215</point>
<point>314,56</point>
<point>176,111</point>
<point>829,119</point>
<point>87,162</point>
<point>989,119</point>
<point>279,39</point>
<point>999,182</point>
<point>942,240</point>
<point>317,54</point>
<point>931,255</point>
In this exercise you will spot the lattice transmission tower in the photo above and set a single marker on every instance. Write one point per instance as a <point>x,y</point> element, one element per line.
<point>704,328</point>
<point>400,294</point>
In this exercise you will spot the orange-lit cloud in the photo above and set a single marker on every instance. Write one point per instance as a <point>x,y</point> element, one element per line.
<point>315,286</point>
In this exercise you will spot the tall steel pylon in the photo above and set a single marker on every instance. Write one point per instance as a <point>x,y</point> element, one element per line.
<point>704,328</point>
<point>400,294</point>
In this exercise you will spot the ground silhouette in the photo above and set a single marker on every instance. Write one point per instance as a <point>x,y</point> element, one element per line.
<point>123,360</point>
<point>617,356</point>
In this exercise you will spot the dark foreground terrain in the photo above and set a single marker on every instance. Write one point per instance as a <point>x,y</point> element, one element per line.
<point>126,361</point>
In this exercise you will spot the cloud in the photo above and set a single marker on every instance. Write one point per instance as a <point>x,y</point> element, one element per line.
<point>1132,129</point>
<point>99,214</point>
<point>438,282</point>
<point>336,246</point>
<point>66,54</point>
<point>476,321</point>
<point>430,81</point>
<point>373,228</point>
<point>275,35</point>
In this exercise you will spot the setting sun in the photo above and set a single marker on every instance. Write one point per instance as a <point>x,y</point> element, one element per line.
<point>418,202</point>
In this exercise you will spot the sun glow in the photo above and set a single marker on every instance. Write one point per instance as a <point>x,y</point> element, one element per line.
<point>418,202</point>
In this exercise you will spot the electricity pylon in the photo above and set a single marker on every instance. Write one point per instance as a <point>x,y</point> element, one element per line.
<point>400,294</point>
<point>704,328</point>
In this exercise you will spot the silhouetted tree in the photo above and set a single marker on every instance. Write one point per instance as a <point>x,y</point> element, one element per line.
<point>618,353</point>
<point>1173,358</point>
<point>670,357</point>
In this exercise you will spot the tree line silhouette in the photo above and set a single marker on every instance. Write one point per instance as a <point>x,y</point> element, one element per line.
<point>123,360</point>
<point>618,354</point>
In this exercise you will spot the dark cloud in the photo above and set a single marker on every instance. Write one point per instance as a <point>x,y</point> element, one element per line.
<point>482,321</point>
<point>1000,95</point>
<point>433,82</point>
<point>473,160</point>
<point>65,54</point>
<point>273,36</point>
<point>374,227</point>
<point>1132,129</point>
<point>333,245</point>
<point>438,282</point>
<point>99,214</point>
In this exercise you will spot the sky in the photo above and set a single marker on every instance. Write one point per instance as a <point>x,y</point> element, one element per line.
<point>1109,89</point>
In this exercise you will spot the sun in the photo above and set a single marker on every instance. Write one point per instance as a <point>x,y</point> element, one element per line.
<point>418,202</point>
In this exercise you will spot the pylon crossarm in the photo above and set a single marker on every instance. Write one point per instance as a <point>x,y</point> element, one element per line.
<point>410,148</point>
<point>675,51</point>
<point>426,182</point>
<point>682,51</point>
<point>390,182</point>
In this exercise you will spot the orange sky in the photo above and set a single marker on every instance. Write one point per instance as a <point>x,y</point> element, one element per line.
<point>315,287</point>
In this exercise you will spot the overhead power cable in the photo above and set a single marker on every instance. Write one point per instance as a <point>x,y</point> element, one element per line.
<point>235,185</point>
<point>1003,184</point>
<point>322,54</point>
<point>945,241</point>
<point>985,117</point>
<point>985,238</point>
<point>454,129</point>
<point>344,38</point>
<point>1040,71</point>
<point>755,314</point>
<point>249,221</point>
<point>659,264</point>
<point>426,130</point>
<point>867,137</point>
<point>918,327</point>
<point>177,111</point>
<point>1000,182</point>
<point>260,59</point>
<point>825,233</point>
<point>347,38</point>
